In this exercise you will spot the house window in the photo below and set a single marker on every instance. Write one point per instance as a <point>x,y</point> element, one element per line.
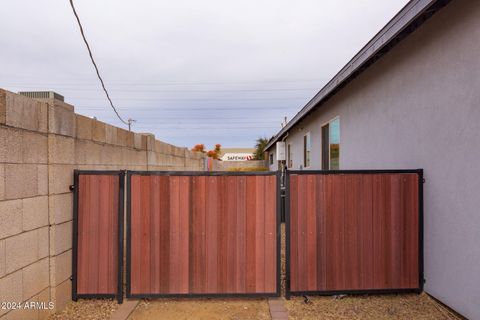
<point>307,148</point>
<point>289,156</point>
<point>331,145</point>
<point>270,158</point>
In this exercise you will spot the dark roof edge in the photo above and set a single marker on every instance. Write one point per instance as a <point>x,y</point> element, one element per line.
<point>403,23</point>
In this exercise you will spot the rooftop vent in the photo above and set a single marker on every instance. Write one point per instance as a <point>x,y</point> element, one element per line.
<point>42,95</point>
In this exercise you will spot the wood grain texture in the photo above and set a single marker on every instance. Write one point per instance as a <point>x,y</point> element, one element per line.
<point>354,232</point>
<point>97,253</point>
<point>203,234</point>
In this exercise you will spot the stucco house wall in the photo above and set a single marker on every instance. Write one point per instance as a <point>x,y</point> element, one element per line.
<point>419,107</point>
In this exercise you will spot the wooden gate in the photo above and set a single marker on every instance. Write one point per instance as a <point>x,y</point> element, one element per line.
<point>354,231</point>
<point>201,233</point>
<point>97,235</point>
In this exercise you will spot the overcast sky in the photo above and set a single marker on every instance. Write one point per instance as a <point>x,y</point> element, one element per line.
<point>189,71</point>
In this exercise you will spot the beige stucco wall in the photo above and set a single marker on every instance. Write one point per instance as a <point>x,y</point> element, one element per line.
<point>236,165</point>
<point>419,107</point>
<point>41,143</point>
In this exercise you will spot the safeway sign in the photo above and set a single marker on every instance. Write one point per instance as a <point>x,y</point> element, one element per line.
<point>237,156</point>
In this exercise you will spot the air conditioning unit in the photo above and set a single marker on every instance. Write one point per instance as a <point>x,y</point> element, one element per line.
<point>45,95</point>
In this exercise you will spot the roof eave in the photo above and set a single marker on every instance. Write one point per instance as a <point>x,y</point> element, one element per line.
<point>403,23</point>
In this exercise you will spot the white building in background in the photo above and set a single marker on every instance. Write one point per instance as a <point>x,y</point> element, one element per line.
<point>236,154</point>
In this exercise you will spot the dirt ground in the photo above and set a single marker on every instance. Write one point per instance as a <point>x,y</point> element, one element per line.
<point>405,306</point>
<point>87,309</point>
<point>200,309</point>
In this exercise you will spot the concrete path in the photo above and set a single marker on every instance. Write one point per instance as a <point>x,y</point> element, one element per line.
<point>277,309</point>
<point>125,310</point>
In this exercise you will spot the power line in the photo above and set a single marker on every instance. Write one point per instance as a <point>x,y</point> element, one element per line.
<point>94,64</point>
<point>76,88</point>
<point>195,99</point>
<point>169,83</point>
<point>180,109</point>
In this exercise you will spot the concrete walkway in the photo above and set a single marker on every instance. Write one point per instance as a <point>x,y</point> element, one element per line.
<point>125,310</point>
<point>277,309</point>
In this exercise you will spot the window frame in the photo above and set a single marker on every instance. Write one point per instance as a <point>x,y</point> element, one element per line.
<point>325,164</point>
<point>307,141</point>
<point>289,156</point>
<point>328,123</point>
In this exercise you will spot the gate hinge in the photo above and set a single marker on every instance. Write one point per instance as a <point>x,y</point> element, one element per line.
<point>71,187</point>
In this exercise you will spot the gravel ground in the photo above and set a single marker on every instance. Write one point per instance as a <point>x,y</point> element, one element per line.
<point>87,309</point>
<point>283,260</point>
<point>405,306</point>
<point>202,309</point>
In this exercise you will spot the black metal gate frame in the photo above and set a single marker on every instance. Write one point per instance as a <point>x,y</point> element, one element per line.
<point>421,181</point>
<point>121,195</point>
<point>207,174</point>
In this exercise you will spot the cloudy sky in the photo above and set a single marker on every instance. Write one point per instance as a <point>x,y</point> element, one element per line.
<point>189,71</point>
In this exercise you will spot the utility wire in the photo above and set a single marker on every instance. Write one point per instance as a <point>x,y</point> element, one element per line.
<point>94,64</point>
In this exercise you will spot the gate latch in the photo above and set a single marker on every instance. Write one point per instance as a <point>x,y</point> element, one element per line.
<point>71,187</point>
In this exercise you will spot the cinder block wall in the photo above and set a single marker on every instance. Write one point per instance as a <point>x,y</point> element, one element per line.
<point>41,143</point>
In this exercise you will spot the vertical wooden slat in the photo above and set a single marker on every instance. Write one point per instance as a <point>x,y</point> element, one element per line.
<point>270,264</point>
<point>211,235</point>
<point>241,230</point>
<point>135,235</point>
<point>183,234</point>
<point>174,247</point>
<point>410,259</point>
<point>260,234</point>
<point>198,238</point>
<point>222,227</point>
<point>83,223</point>
<point>205,235</point>
<point>321,232</point>
<point>155,236</point>
<point>94,234</point>
<point>396,231</point>
<point>97,235</point>
<point>352,233</point>
<point>146,264</point>
<point>302,231</point>
<point>164,213</point>
<point>379,232</point>
<point>366,231</point>
<point>250,276</point>
<point>231,240</point>
<point>102,225</point>
<point>311,233</point>
<point>294,233</point>
<point>334,234</point>
<point>113,254</point>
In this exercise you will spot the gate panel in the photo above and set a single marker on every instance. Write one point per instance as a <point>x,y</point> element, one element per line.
<point>203,234</point>
<point>97,234</point>
<point>354,231</point>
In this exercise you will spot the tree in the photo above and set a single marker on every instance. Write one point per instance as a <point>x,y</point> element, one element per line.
<point>260,145</point>
<point>215,153</point>
<point>199,148</point>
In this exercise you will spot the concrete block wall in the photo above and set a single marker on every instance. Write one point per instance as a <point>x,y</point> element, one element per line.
<point>41,143</point>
